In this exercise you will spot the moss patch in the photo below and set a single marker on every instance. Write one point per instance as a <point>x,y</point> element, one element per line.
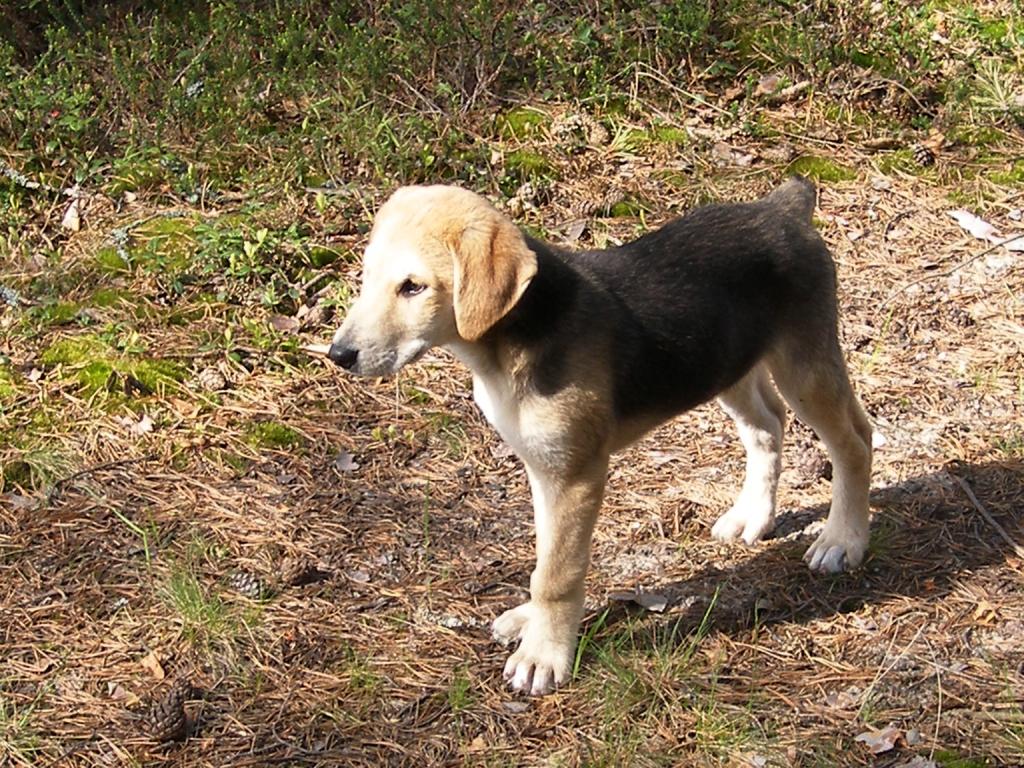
<point>157,374</point>
<point>95,364</point>
<point>628,207</point>
<point>529,165</point>
<point>323,255</point>
<point>820,169</point>
<point>1012,175</point>
<point>947,758</point>
<point>169,244</point>
<point>272,435</point>
<point>110,297</point>
<point>75,351</point>
<point>521,123</point>
<point>56,313</point>
<point>901,160</point>
<point>637,138</point>
<point>111,262</point>
<point>8,384</point>
<point>133,176</point>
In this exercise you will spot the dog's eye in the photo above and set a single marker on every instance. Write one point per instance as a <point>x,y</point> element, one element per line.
<point>409,288</point>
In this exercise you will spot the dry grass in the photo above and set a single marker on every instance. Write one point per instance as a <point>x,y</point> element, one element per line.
<point>368,642</point>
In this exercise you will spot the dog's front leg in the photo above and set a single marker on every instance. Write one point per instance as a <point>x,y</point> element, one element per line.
<point>565,510</point>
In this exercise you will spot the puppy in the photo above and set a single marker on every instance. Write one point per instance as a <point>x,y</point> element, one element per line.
<point>576,355</point>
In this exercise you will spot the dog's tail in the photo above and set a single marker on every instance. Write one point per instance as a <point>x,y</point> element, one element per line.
<point>796,197</point>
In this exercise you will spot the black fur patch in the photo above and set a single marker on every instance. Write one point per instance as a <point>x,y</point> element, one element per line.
<point>686,310</point>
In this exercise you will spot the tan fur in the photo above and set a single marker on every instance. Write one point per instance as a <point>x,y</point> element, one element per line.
<point>493,266</point>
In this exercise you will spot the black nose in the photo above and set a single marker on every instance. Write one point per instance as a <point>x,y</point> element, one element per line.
<point>343,356</point>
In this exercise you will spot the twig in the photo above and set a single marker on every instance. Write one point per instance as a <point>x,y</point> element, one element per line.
<point>187,67</point>
<point>57,487</point>
<point>882,673</point>
<point>988,517</point>
<point>951,270</point>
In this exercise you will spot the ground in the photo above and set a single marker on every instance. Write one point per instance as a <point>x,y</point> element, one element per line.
<point>218,550</point>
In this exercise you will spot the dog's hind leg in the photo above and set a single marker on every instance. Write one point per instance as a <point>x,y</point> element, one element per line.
<point>814,381</point>
<point>760,417</point>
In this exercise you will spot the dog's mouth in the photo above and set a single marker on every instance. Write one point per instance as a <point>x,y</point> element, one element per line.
<point>413,352</point>
<point>363,362</point>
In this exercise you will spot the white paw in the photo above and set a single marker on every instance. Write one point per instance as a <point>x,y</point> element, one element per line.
<point>837,549</point>
<point>750,520</point>
<point>543,660</point>
<point>508,627</point>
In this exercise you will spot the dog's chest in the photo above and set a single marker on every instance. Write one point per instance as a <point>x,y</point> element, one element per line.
<point>505,412</point>
<point>499,407</point>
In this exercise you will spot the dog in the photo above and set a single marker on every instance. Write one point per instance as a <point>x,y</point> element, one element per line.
<point>575,355</point>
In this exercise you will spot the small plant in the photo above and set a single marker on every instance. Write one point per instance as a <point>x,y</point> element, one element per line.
<point>998,92</point>
<point>460,691</point>
<point>201,614</point>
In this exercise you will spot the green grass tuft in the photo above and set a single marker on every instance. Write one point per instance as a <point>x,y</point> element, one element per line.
<point>821,169</point>
<point>522,123</point>
<point>272,435</point>
<point>202,615</point>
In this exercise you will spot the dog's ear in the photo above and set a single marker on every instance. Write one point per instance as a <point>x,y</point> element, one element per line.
<point>493,267</point>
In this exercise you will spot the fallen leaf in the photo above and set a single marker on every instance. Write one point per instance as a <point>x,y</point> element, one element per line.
<point>20,502</point>
<point>976,227</point>
<point>880,741</point>
<point>918,761</point>
<point>144,425</point>
<point>319,350</point>
<point>733,93</point>
<point>843,699</point>
<point>659,458</point>
<point>650,601</point>
<point>881,142</point>
<point>284,324</point>
<point>500,449</point>
<point>345,462</point>
<point>574,230</point>
<point>151,663</point>
<point>767,84</point>
<point>117,692</point>
<point>985,612</point>
<point>141,427</point>
<point>72,220</point>
<point>982,230</point>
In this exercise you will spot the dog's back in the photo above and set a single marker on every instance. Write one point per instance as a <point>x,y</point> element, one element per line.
<point>688,309</point>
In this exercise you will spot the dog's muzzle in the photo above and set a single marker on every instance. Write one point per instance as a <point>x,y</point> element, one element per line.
<point>344,356</point>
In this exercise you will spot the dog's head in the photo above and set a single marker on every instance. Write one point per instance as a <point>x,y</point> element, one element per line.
<point>442,265</point>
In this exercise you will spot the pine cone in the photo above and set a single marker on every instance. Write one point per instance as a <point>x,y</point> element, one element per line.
<point>246,584</point>
<point>586,208</point>
<point>295,571</point>
<point>597,134</point>
<point>814,466</point>
<point>923,155</point>
<point>166,720</point>
<point>210,380</point>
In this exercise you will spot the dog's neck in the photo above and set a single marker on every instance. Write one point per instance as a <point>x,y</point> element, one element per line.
<point>479,356</point>
<point>510,341</point>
